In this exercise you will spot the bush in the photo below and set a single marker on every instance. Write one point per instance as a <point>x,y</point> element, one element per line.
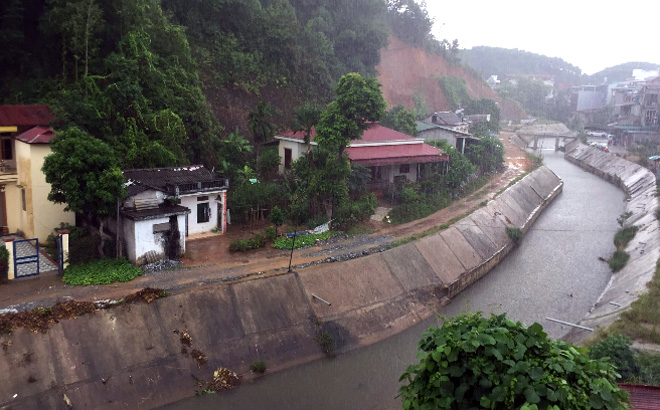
<point>4,264</point>
<point>514,233</point>
<point>617,348</point>
<point>353,212</point>
<point>624,236</point>
<point>474,362</point>
<point>100,272</point>
<point>270,233</point>
<point>258,366</point>
<point>618,260</point>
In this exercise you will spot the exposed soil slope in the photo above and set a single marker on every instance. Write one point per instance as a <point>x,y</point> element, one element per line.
<point>405,71</point>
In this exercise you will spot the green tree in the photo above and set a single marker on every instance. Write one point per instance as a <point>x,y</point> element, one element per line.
<point>485,106</point>
<point>261,125</point>
<point>618,349</point>
<point>306,117</point>
<point>358,102</point>
<point>471,362</point>
<point>460,167</point>
<point>83,173</point>
<point>400,119</point>
<point>276,217</point>
<point>487,154</point>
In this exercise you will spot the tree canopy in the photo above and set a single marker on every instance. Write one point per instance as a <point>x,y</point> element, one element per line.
<point>471,362</point>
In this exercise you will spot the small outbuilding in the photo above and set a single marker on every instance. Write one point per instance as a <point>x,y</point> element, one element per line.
<point>164,206</point>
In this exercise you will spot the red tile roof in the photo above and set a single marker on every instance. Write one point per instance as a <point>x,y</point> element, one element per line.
<point>643,397</point>
<point>37,135</point>
<point>25,115</point>
<point>375,132</point>
<point>380,155</point>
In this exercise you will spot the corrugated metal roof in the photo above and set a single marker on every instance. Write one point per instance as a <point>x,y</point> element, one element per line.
<point>643,397</point>
<point>37,135</point>
<point>395,154</point>
<point>374,133</point>
<point>25,115</point>
<point>187,178</point>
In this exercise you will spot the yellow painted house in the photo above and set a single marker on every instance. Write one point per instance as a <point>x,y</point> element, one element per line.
<point>24,143</point>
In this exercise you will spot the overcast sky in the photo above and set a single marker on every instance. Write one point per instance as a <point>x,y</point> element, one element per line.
<point>591,35</point>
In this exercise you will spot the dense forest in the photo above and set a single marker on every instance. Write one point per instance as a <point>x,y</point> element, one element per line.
<point>166,82</point>
<point>501,61</point>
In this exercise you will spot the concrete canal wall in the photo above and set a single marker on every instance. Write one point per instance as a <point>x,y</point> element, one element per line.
<point>134,356</point>
<point>639,184</point>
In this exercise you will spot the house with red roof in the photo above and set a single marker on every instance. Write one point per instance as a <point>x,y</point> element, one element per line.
<point>25,135</point>
<point>391,156</point>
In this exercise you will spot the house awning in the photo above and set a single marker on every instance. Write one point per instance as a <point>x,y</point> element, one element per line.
<point>155,213</point>
<point>374,156</point>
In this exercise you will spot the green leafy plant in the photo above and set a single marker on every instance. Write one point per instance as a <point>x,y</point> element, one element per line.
<point>621,220</point>
<point>4,263</point>
<point>514,233</point>
<point>624,236</point>
<point>258,366</point>
<point>618,260</point>
<point>100,272</point>
<point>617,348</point>
<point>474,362</point>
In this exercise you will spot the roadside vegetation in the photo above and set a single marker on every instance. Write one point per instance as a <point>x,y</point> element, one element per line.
<point>100,272</point>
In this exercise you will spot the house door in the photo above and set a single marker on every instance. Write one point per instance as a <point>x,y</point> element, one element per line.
<point>203,212</point>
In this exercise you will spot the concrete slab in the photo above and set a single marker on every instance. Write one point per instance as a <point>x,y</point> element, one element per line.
<point>349,285</point>
<point>463,250</point>
<point>493,226</point>
<point>476,237</point>
<point>215,306</point>
<point>512,212</point>
<point>441,258</point>
<point>270,303</point>
<point>409,266</point>
<point>525,197</point>
<point>288,345</point>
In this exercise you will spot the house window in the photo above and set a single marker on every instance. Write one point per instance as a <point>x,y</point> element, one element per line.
<point>404,168</point>
<point>287,158</point>
<point>203,212</point>
<point>7,152</point>
<point>23,201</point>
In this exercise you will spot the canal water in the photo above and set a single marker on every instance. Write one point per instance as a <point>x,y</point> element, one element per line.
<point>555,272</point>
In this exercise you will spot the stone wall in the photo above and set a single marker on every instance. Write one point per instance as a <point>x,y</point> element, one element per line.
<point>133,356</point>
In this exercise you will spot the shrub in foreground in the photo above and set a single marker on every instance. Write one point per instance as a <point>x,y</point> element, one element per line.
<point>495,363</point>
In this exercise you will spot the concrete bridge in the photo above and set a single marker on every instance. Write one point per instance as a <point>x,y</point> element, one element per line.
<point>558,132</point>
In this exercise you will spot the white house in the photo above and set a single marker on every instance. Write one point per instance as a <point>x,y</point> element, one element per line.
<point>455,138</point>
<point>391,156</point>
<point>165,205</point>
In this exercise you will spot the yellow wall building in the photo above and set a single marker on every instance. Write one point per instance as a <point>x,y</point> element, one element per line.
<point>24,143</point>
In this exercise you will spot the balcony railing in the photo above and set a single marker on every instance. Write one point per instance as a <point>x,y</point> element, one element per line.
<point>176,190</point>
<point>7,167</point>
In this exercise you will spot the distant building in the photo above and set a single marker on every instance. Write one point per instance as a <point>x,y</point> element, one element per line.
<point>447,119</point>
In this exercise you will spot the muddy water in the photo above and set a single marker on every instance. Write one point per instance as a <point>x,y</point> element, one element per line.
<point>555,272</point>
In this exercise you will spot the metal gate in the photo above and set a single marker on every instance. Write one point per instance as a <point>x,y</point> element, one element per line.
<point>26,257</point>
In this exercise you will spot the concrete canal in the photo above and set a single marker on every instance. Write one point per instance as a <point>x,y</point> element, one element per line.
<point>555,272</point>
